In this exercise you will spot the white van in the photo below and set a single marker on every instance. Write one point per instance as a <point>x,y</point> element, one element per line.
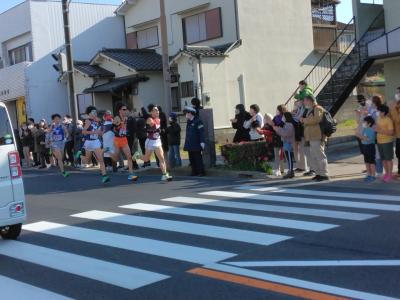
<point>12,197</point>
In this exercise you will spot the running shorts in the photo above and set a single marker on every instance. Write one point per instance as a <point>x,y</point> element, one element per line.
<point>92,145</point>
<point>120,142</point>
<point>152,144</point>
<point>58,145</point>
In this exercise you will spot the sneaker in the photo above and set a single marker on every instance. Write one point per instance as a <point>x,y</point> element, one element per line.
<point>166,177</point>
<point>387,179</point>
<point>372,178</point>
<point>277,173</point>
<point>367,178</point>
<point>105,179</point>
<point>132,177</point>
<point>309,173</point>
<point>146,164</point>
<point>379,175</point>
<point>65,174</point>
<point>289,175</point>
<point>322,178</point>
<point>298,170</point>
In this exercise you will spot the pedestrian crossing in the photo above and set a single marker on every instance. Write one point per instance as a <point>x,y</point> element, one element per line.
<point>219,221</point>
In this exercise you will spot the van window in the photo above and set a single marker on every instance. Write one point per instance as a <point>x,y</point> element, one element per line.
<point>6,136</point>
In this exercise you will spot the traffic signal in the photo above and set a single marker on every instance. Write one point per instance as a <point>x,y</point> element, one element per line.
<point>61,65</point>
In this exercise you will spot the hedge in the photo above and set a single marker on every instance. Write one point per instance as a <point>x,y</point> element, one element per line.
<point>252,156</point>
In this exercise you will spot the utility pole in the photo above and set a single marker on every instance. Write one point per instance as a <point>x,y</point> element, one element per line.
<point>68,48</point>
<point>165,59</point>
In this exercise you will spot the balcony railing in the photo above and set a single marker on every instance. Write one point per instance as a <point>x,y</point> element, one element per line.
<point>12,81</point>
<point>325,26</point>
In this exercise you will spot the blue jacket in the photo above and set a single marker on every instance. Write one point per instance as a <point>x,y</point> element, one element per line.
<point>194,135</point>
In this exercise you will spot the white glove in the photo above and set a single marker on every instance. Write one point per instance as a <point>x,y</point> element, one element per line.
<point>202,145</point>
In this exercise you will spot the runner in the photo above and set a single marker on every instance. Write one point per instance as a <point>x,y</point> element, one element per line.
<point>120,139</point>
<point>58,134</point>
<point>153,142</point>
<point>91,132</point>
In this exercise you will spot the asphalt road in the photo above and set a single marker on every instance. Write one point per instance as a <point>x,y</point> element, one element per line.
<point>203,238</point>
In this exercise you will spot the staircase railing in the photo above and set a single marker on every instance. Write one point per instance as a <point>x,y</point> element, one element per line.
<point>324,67</point>
<point>343,48</point>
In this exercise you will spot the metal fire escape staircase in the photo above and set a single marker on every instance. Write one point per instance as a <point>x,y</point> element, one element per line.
<point>343,65</point>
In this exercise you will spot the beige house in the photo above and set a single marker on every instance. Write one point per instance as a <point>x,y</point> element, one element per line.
<point>223,52</point>
<point>119,75</point>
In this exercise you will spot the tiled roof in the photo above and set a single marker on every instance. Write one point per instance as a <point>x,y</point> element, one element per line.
<point>92,70</point>
<point>137,59</point>
<point>117,84</point>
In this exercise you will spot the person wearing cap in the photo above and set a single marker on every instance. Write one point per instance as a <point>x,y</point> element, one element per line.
<point>315,140</point>
<point>194,141</point>
<point>174,140</point>
<point>304,90</point>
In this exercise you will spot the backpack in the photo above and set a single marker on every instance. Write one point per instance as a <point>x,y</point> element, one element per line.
<point>328,124</point>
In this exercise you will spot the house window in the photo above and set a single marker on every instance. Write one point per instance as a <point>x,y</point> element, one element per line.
<point>131,40</point>
<point>187,89</point>
<point>147,38</point>
<point>203,27</point>
<point>20,54</point>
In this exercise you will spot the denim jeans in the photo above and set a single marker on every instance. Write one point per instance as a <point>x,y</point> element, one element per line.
<point>174,156</point>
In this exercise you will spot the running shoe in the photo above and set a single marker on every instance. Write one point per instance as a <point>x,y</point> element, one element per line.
<point>132,177</point>
<point>105,179</point>
<point>65,174</point>
<point>166,177</point>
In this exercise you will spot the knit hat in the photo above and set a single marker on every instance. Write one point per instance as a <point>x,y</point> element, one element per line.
<point>173,116</point>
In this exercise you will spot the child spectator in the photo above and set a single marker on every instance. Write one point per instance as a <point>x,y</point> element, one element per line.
<point>252,125</point>
<point>277,122</point>
<point>367,137</point>
<point>174,140</point>
<point>385,131</point>
<point>287,133</point>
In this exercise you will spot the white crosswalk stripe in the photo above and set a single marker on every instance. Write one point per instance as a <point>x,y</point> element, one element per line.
<point>13,289</point>
<point>241,210</point>
<point>321,193</point>
<point>239,235</point>
<point>132,243</point>
<point>275,208</point>
<point>302,200</point>
<point>234,217</point>
<point>119,275</point>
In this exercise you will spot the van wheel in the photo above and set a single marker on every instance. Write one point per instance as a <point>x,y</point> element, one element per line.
<point>11,232</point>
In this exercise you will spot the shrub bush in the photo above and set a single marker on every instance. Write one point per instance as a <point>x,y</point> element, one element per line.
<point>253,156</point>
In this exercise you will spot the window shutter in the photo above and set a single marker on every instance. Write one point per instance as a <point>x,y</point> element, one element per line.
<point>213,23</point>
<point>131,40</point>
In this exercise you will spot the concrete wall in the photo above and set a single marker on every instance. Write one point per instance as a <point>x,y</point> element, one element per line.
<point>82,82</point>
<point>277,49</point>
<point>176,10</point>
<point>103,101</point>
<point>150,91</point>
<point>392,11</point>
<point>365,14</point>
<point>392,77</point>
<point>92,28</point>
